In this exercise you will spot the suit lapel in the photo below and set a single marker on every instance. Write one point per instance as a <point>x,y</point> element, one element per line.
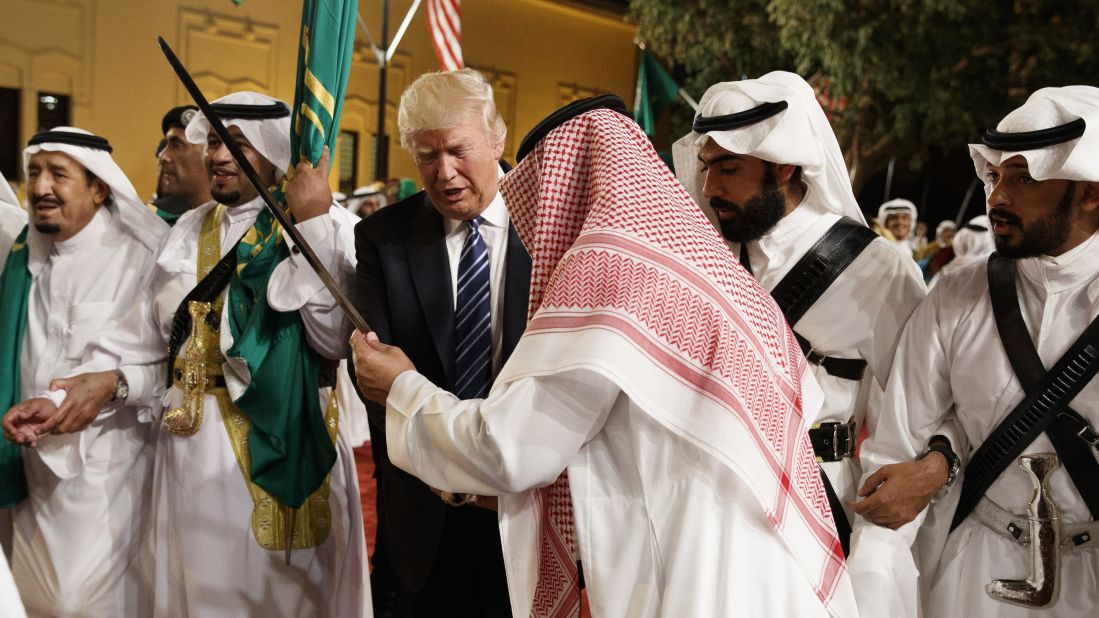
<point>430,272</point>
<point>516,291</point>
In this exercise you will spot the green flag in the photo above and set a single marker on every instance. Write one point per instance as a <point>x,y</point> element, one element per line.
<point>324,61</point>
<point>655,91</point>
<point>15,287</point>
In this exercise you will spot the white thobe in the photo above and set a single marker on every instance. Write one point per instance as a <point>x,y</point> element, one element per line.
<point>78,534</point>
<point>951,362</point>
<point>10,605</point>
<point>208,562</point>
<point>860,315</point>
<point>662,527</point>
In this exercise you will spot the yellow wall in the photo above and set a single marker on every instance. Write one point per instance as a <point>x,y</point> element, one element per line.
<point>538,54</point>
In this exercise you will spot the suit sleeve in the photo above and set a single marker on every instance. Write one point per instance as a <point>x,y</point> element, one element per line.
<point>371,299</point>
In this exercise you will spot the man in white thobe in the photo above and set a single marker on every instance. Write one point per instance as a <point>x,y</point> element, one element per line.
<point>764,159</point>
<point>898,216</point>
<point>1041,174</point>
<point>650,374</point>
<point>220,536</point>
<point>89,249</point>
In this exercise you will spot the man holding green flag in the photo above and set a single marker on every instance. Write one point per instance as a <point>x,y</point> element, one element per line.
<point>254,493</point>
<point>255,500</point>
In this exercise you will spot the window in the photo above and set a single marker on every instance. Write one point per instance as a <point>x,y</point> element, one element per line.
<point>10,149</point>
<point>348,147</point>
<point>53,111</point>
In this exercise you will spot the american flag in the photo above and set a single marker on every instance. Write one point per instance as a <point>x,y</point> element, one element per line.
<point>445,23</point>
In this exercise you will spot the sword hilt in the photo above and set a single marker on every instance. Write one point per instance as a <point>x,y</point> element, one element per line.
<point>1044,518</point>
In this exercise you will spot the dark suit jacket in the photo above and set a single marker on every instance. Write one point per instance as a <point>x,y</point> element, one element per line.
<point>403,290</point>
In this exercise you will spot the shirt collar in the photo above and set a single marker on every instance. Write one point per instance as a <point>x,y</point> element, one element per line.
<point>792,225</point>
<point>1072,268</point>
<point>494,215</point>
<point>247,210</point>
<point>91,234</point>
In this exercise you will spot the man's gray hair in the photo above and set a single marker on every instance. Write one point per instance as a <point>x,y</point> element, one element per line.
<point>442,100</point>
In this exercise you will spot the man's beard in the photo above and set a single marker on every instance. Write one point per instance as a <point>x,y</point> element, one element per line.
<point>1041,237</point>
<point>47,228</point>
<point>762,212</point>
<point>229,198</point>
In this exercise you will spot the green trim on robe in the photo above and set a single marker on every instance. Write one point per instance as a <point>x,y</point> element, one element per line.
<point>291,449</point>
<point>169,217</point>
<point>15,287</point>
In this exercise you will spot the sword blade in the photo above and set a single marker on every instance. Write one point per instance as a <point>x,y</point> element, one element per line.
<point>250,173</point>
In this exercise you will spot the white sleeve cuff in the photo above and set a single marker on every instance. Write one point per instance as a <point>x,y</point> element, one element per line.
<point>293,282</point>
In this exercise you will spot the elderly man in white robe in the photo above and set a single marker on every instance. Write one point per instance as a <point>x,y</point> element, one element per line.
<point>89,249</point>
<point>764,160</point>
<point>255,500</point>
<point>656,375</point>
<point>989,346</point>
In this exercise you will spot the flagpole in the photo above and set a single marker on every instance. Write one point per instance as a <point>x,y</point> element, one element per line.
<point>381,143</point>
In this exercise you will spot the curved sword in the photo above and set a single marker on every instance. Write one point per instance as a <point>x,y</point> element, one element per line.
<point>250,173</point>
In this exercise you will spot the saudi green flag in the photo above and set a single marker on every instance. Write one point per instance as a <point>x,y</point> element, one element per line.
<point>655,91</point>
<point>324,61</point>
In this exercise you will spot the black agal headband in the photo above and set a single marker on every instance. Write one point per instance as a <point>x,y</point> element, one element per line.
<point>728,122</point>
<point>278,109</point>
<point>572,110</point>
<point>72,138</point>
<point>1032,140</point>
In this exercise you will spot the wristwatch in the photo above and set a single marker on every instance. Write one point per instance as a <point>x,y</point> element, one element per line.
<point>942,447</point>
<point>121,387</point>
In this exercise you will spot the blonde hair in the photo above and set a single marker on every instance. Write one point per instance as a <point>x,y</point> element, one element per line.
<point>442,100</point>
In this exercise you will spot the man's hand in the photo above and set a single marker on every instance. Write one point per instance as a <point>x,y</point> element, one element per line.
<point>896,493</point>
<point>86,395</point>
<point>377,365</point>
<point>308,193</point>
<point>22,421</point>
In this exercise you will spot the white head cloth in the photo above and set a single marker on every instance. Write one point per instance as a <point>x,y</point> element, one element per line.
<point>7,194</point>
<point>895,206</point>
<point>1076,159</point>
<point>269,136</point>
<point>974,243</point>
<point>148,228</point>
<point>799,135</point>
<point>945,224</point>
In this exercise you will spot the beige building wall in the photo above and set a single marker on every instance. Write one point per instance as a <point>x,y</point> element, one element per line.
<point>538,54</point>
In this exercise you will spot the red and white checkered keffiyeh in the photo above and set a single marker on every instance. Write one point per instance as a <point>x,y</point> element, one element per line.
<point>617,245</point>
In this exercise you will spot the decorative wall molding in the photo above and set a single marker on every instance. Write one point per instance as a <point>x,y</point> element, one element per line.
<point>504,91</point>
<point>567,93</point>
<point>226,53</point>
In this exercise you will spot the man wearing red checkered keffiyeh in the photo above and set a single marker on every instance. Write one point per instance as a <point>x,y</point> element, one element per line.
<point>651,421</point>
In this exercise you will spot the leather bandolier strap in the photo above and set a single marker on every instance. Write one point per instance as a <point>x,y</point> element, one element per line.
<point>1045,406</point>
<point>812,275</point>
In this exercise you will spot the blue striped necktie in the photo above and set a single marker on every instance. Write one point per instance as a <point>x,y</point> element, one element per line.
<point>472,323</point>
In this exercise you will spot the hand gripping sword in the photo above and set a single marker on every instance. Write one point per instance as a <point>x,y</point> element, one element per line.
<point>250,173</point>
